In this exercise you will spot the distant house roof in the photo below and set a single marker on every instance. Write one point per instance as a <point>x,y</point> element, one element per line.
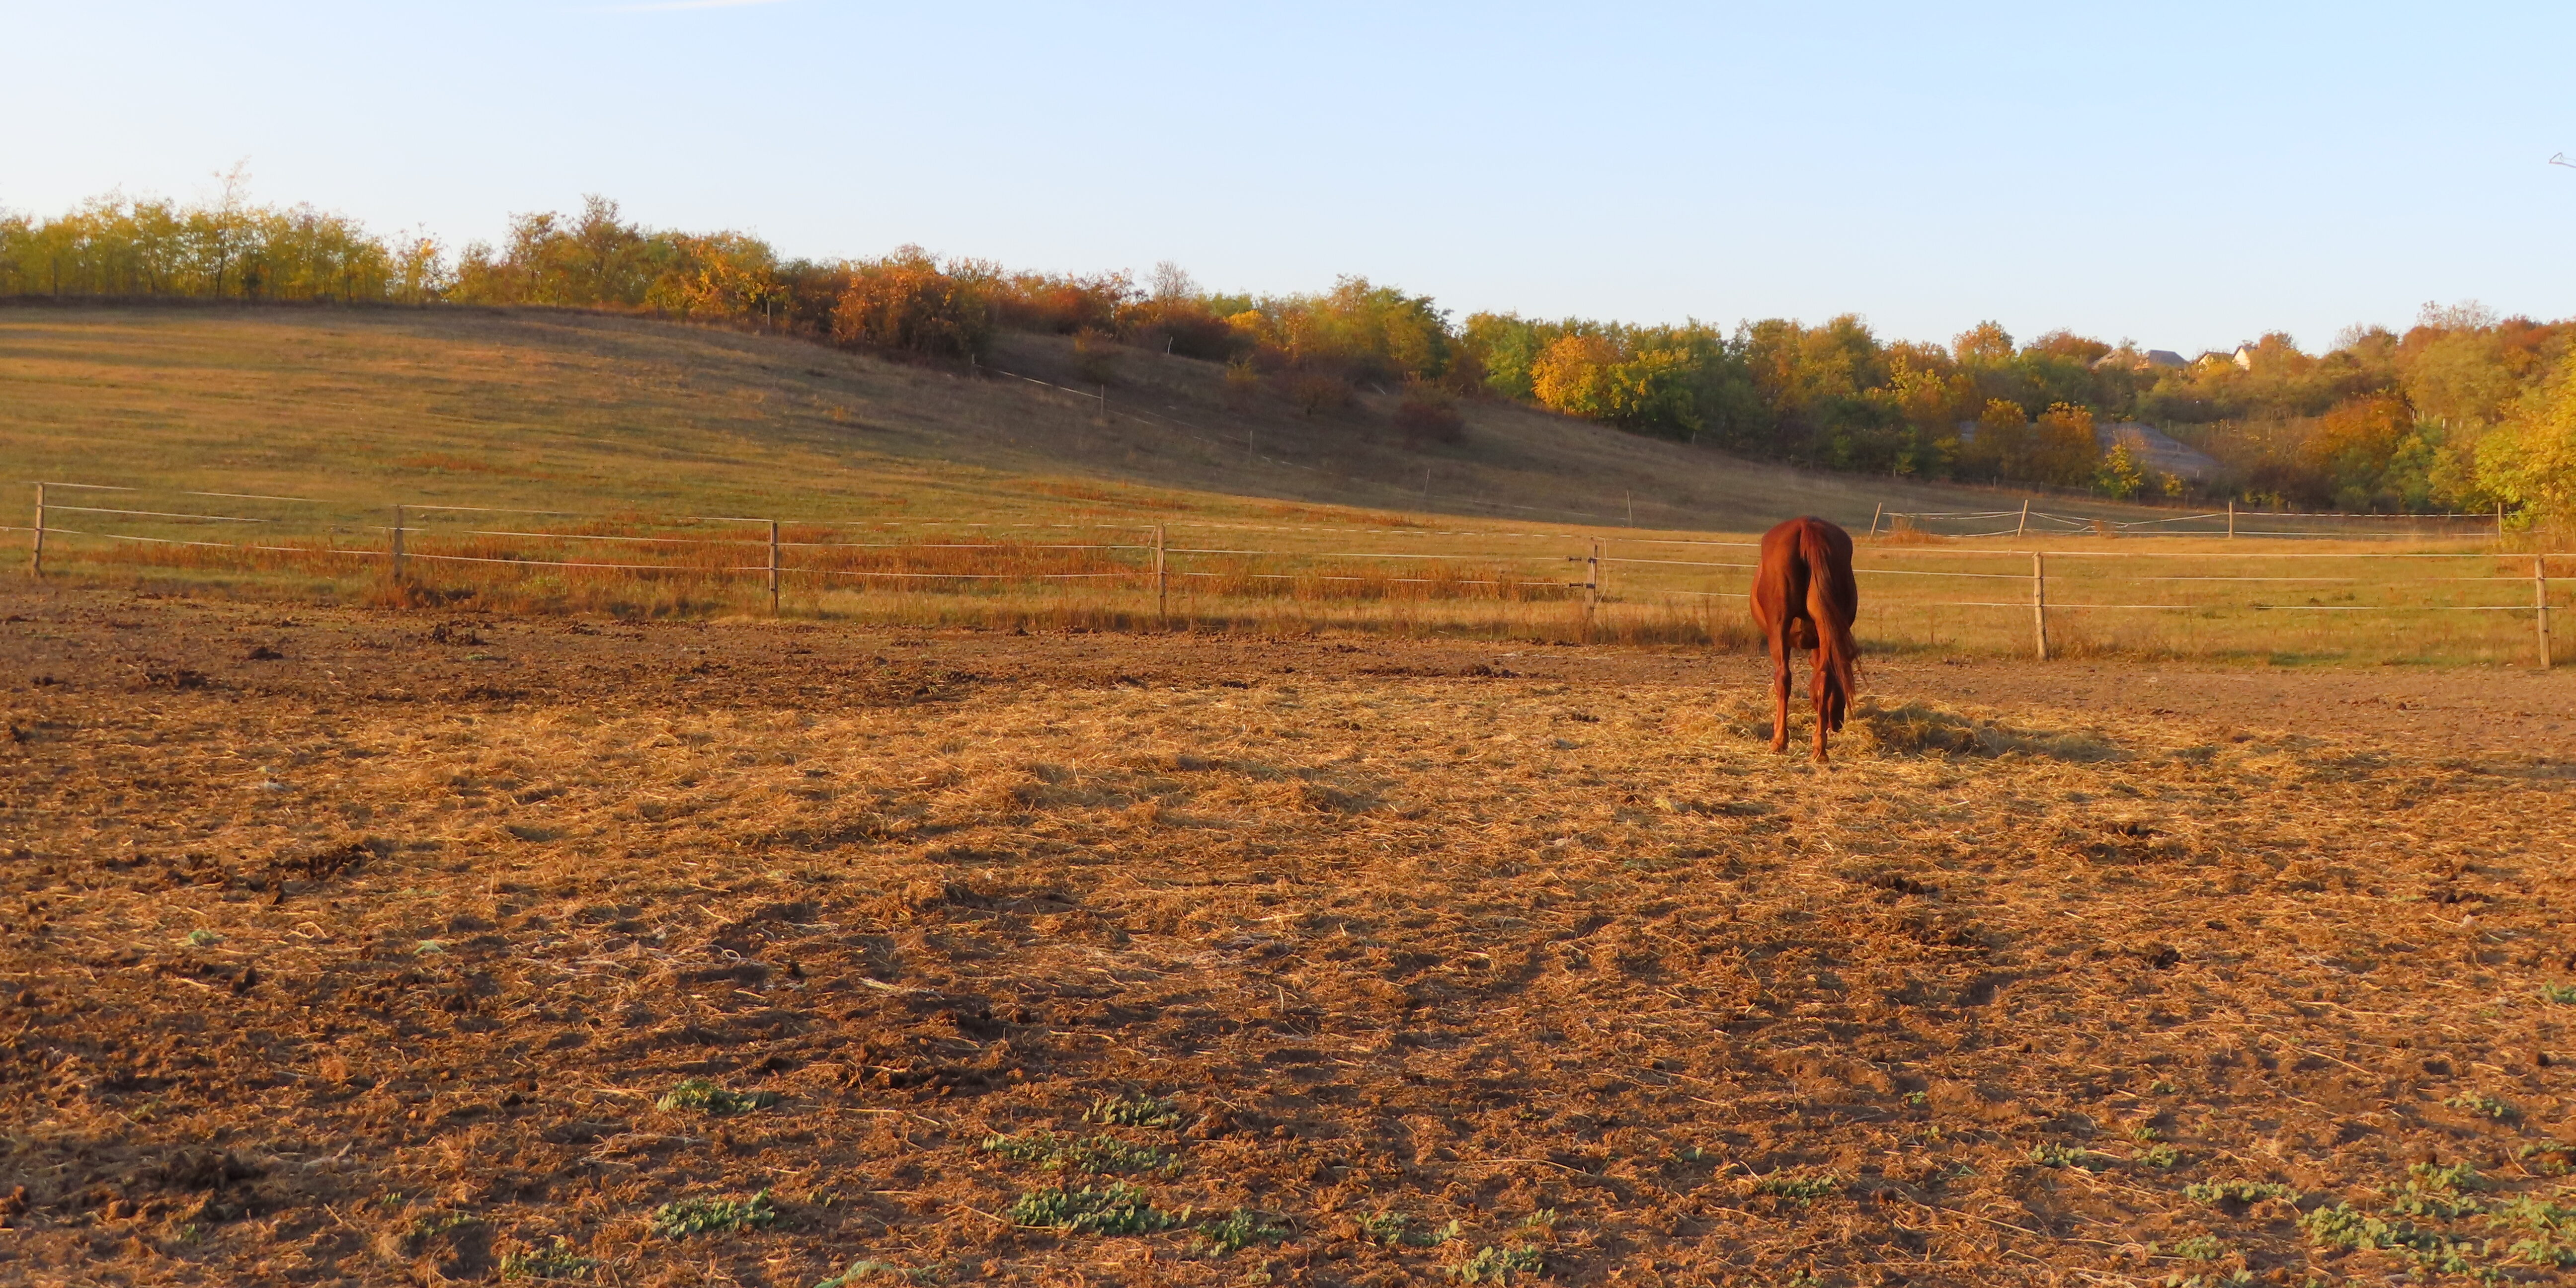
<point>2141,361</point>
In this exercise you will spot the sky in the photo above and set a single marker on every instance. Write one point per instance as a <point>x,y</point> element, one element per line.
<point>2186,176</point>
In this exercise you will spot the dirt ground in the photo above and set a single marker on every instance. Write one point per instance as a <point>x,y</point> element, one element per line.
<point>348,946</point>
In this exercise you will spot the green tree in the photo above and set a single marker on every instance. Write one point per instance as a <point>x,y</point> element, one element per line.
<point>2530,460</point>
<point>2119,476</point>
<point>1999,446</point>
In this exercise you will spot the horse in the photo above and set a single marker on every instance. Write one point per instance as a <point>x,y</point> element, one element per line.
<point>1804,597</point>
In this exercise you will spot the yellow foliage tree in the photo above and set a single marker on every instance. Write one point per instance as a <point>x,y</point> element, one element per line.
<point>1571,375</point>
<point>2063,450</point>
<point>2530,460</point>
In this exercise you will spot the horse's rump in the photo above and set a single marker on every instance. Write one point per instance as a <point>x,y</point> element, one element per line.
<point>1805,597</point>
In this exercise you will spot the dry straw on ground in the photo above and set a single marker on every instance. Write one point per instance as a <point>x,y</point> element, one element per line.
<point>374,947</point>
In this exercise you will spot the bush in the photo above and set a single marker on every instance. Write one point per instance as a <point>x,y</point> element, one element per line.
<point>1242,381</point>
<point>1429,414</point>
<point>1185,327</point>
<point>1314,392</point>
<point>1061,303</point>
<point>1095,358</point>
<point>907,302</point>
<point>2119,476</point>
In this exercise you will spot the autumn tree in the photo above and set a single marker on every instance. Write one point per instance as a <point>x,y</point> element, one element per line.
<point>909,302</point>
<point>2063,449</point>
<point>2530,461</point>
<point>1986,344</point>
<point>1998,446</point>
<point>2120,476</point>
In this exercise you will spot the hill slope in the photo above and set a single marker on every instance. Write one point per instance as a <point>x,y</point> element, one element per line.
<point>576,410</point>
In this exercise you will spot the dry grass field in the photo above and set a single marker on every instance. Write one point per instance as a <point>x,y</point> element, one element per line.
<point>1392,913</point>
<point>635,425</point>
<point>579,411</point>
<point>349,945</point>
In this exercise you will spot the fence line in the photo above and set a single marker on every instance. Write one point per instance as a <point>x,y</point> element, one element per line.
<point>2025,517</point>
<point>946,576</point>
<point>2480,515</point>
<point>215,545</point>
<point>2080,523</point>
<point>161,514</point>
<point>1160,574</point>
<point>792,545</point>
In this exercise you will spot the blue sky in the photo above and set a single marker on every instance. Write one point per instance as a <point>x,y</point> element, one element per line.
<point>2186,175</point>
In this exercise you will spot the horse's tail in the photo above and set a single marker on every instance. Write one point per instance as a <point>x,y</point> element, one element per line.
<point>1833,600</point>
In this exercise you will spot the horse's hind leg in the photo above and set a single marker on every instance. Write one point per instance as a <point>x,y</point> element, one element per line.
<point>1780,691</point>
<point>1816,687</point>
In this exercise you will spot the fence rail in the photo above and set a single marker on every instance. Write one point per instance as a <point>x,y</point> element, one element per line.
<point>2219,523</point>
<point>1147,560</point>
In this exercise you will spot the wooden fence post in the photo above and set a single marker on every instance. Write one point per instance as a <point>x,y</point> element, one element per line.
<point>1591,586</point>
<point>2039,601</point>
<point>2540,603</point>
<point>2499,520</point>
<point>398,545</point>
<point>773,567</point>
<point>2231,518</point>
<point>1874,513</point>
<point>2025,517</point>
<point>36,552</point>
<point>1162,584</point>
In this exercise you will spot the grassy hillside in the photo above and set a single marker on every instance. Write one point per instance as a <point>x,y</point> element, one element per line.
<point>582,411</point>
<point>636,432</point>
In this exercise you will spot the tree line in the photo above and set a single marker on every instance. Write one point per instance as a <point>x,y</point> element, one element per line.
<point>2463,410</point>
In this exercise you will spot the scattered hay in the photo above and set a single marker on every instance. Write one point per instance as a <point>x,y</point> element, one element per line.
<point>1922,728</point>
<point>1978,968</point>
<point>1919,728</point>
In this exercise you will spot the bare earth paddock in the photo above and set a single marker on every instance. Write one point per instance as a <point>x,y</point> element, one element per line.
<point>358,946</point>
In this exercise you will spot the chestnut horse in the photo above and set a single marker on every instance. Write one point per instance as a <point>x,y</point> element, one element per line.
<point>1804,597</point>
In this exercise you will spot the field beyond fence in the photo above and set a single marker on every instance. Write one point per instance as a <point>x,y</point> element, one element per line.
<point>2442,589</point>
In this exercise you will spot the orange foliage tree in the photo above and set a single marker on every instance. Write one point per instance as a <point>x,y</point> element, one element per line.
<point>908,301</point>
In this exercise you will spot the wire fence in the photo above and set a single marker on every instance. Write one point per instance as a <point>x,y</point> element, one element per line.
<point>2229,522</point>
<point>1144,566</point>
